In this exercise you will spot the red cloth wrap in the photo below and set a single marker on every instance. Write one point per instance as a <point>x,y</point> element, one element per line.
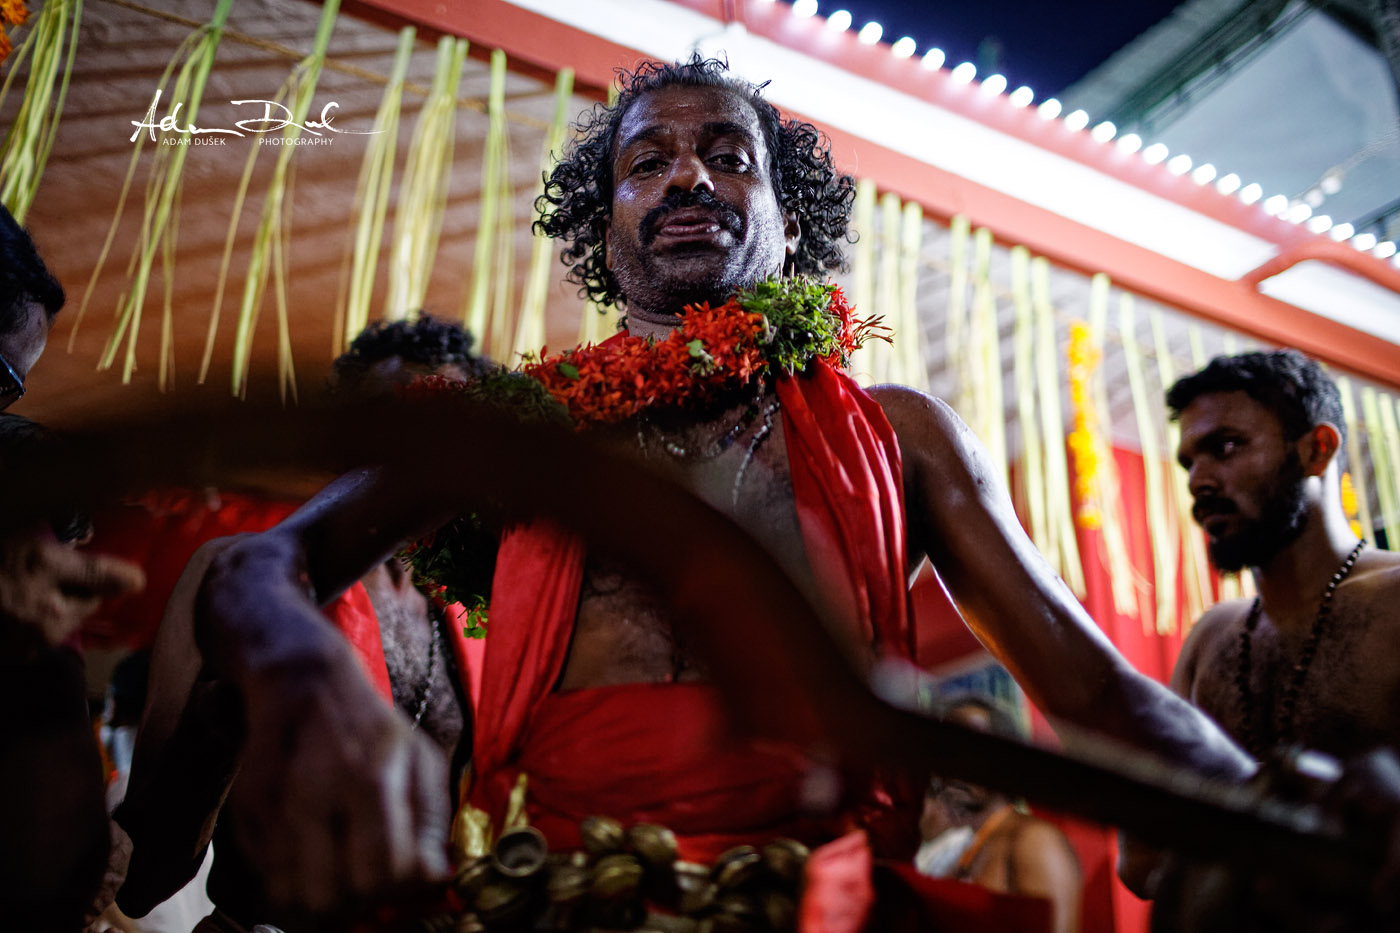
<point>846,477</point>
<point>658,753</point>
<point>353,615</point>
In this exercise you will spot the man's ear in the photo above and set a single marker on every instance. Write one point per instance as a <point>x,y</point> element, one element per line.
<point>1320,446</point>
<point>792,232</point>
<point>607,244</point>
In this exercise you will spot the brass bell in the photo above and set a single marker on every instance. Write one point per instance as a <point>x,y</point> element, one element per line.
<point>520,853</point>
<point>786,858</point>
<point>740,908</point>
<point>665,923</point>
<point>781,910</point>
<point>601,834</point>
<point>737,866</point>
<point>471,876</point>
<point>616,877</point>
<point>656,845</point>
<point>568,884</point>
<point>501,902</point>
<point>699,900</point>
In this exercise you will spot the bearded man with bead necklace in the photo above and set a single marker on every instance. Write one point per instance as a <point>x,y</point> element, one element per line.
<point>1310,661</point>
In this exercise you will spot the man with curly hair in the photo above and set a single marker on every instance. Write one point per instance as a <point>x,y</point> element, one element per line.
<point>688,187</point>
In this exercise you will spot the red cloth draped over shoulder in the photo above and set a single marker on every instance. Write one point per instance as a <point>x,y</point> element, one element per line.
<point>163,529</point>
<point>846,477</point>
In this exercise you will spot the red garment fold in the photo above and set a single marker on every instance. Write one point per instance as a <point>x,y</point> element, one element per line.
<point>847,485</point>
<point>353,615</point>
<point>658,753</point>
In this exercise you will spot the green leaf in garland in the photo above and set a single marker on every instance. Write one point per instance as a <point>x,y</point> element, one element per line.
<point>569,370</point>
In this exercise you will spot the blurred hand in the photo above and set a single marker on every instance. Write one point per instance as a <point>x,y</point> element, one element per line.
<point>51,587</point>
<point>338,800</point>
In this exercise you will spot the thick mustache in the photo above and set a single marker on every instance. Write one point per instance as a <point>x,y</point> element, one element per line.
<point>726,216</point>
<point>1212,505</point>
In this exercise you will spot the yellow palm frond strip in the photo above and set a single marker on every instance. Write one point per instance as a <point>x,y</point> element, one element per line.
<point>30,139</point>
<point>1159,519</point>
<point>423,190</point>
<point>372,201</point>
<point>530,330</point>
<point>1356,464</point>
<point>1064,549</point>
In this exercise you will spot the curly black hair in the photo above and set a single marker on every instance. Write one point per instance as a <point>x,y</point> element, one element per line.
<point>1292,386</point>
<point>426,341</point>
<point>577,199</point>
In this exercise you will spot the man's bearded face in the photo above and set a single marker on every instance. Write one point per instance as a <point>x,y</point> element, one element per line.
<point>695,214</point>
<point>1247,480</point>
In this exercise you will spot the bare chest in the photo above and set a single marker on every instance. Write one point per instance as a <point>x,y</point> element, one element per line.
<point>1344,699</point>
<point>737,463</point>
<point>420,660</point>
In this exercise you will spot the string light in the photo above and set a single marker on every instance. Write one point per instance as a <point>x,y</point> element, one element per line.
<point>933,59</point>
<point>1130,142</point>
<point>1022,96</point>
<point>1104,132</point>
<point>1251,193</point>
<point>804,8</point>
<point>1320,223</point>
<point>1364,241</point>
<point>1077,120</point>
<point>904,47</point>
<point>1179,164</point>
<point>839,21</point>
<point>964,73</point>
<point>1384,250</point>
<point>1049,109</point>
<point>1342,232</point>
<point>1154,154</point>
<point>870,33</point>
<point>1298,213</point>
<point>1204,174</point>
<point>994,84</point>
<point>1276,205</point>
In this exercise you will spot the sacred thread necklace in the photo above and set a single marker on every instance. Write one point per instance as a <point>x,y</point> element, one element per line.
<point>1254,723</point>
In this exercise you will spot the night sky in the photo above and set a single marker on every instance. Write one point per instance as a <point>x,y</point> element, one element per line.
<point>1047,44</point>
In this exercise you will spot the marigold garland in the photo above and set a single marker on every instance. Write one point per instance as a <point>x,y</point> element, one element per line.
<point>1350,505</point>
<point>1083,441</point>
<point>773,327</point>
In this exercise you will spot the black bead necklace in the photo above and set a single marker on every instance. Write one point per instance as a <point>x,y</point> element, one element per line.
<point>1253,724</point>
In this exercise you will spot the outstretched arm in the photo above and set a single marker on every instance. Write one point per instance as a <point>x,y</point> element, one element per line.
<point>336,798</point>
<point>961,516</point>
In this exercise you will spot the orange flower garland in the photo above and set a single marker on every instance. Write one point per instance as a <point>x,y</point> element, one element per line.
<point>712,351</point>
<point>12,13</point>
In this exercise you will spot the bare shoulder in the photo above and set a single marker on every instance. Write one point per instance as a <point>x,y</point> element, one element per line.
<point>1376,581</point>
<point>1216,626</point>
<point>931,435</point>
<point>914,414</point>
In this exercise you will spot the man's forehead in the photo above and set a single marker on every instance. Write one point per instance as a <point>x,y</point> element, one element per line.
<point>1236,409</point>
<point>718,110</point>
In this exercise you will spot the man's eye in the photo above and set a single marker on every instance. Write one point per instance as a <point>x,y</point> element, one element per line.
<point>648,164</point>
<point>730,160</point>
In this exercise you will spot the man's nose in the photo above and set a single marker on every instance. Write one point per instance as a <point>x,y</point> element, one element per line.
<point>1201,480</point>
<point>688,173</point>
